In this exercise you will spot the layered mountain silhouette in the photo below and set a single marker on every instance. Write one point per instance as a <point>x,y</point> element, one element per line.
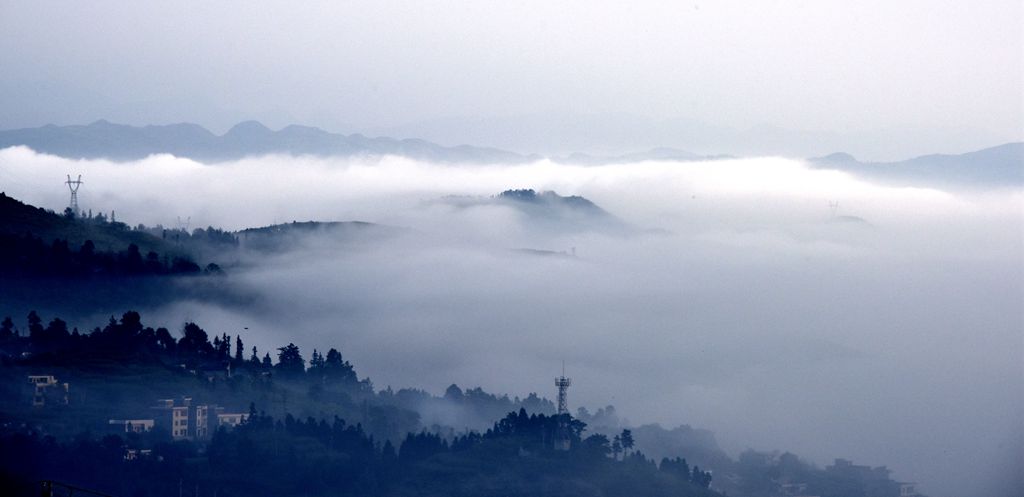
<point>1001,165</point>
<point>106,140</point>
<point>654,154</point>
<point>996,166</point>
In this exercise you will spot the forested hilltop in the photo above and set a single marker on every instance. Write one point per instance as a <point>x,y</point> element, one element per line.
<point>75,263</point>
<point>307,429</point>
<point>83,408</point>
<point>35,242</point>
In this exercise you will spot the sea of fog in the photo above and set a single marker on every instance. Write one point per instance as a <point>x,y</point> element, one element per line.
<point>781,306</point>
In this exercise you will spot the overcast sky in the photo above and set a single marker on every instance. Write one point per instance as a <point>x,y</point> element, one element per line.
<point>926,75</point>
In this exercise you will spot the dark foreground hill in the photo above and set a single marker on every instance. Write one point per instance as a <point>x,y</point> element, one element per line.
<point>317,429</point>
<point>103,139</point>
<point>333,434</point>
<point>18,218</point>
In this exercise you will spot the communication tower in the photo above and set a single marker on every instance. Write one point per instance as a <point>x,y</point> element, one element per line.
<point>562,437</point>
<point>73,186</point>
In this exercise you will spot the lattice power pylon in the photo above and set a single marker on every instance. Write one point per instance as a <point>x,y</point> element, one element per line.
<point>73,186</point>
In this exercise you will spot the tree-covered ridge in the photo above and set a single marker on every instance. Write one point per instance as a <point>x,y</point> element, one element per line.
<point>382,451</point>
<point>320,429</point>
<point>312,457</point>
<point>35,242</point>
<point>32,257</point>
<point>105,366</point>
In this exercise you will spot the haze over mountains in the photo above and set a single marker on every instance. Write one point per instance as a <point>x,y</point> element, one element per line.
<point>1000,165</point>
<point>103,139</point>
<point>758,312</point>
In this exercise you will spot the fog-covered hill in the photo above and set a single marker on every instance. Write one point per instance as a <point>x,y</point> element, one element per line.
<point>286,236</point>
<point>550,212</point>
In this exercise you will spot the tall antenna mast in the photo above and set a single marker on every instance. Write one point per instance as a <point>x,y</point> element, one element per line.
<point>562,437</point>
<point>73,186</point>
<point>563,387</point>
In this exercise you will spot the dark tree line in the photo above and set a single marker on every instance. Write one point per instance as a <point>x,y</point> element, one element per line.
<point>679,467</point>
<point>128,341</point>
<point>289,456</point>
<point>313,456</point>
<point>28,255</point>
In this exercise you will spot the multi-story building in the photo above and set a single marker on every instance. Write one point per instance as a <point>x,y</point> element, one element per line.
<point>47,389</point>
<point>135,454</point>
<point>907,490</point>
<point>132,425</point>
<point>187,420</point>
<point>207,419</point>
<point>173,414</point>
<point>231,420</point>
<point>794,490</point>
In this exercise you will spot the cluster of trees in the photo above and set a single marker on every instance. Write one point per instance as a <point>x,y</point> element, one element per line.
<point>679,467</point>
<point>762,474</point>
<point>28,255</point>
<point>380,455</point>
<point>128,341</point>
<point>192,360</point>
<point>386,451</point>
<point>98,219</point>
<point>311,457</point>
<point>36,242</point>
<point>208,236</point>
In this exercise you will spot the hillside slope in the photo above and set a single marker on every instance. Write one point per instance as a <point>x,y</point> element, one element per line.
<point>18,218</point>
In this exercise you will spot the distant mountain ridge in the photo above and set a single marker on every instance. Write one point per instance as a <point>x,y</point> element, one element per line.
<point>1000,165</point>
<point>105,140</point>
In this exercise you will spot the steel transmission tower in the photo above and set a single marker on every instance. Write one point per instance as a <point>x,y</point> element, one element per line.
<point>562,438</point>
<point>73,186</point>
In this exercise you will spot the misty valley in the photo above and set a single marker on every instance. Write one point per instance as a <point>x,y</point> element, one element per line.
<point>385,325</point>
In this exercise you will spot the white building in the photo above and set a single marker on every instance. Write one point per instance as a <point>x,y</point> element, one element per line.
<point>186,420</point>
<point>173,414</point>
<point>48,388</point>
<point>132,425</point>
<point>207,419</point>
<point>231,420</point>
<point>908,490</point>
